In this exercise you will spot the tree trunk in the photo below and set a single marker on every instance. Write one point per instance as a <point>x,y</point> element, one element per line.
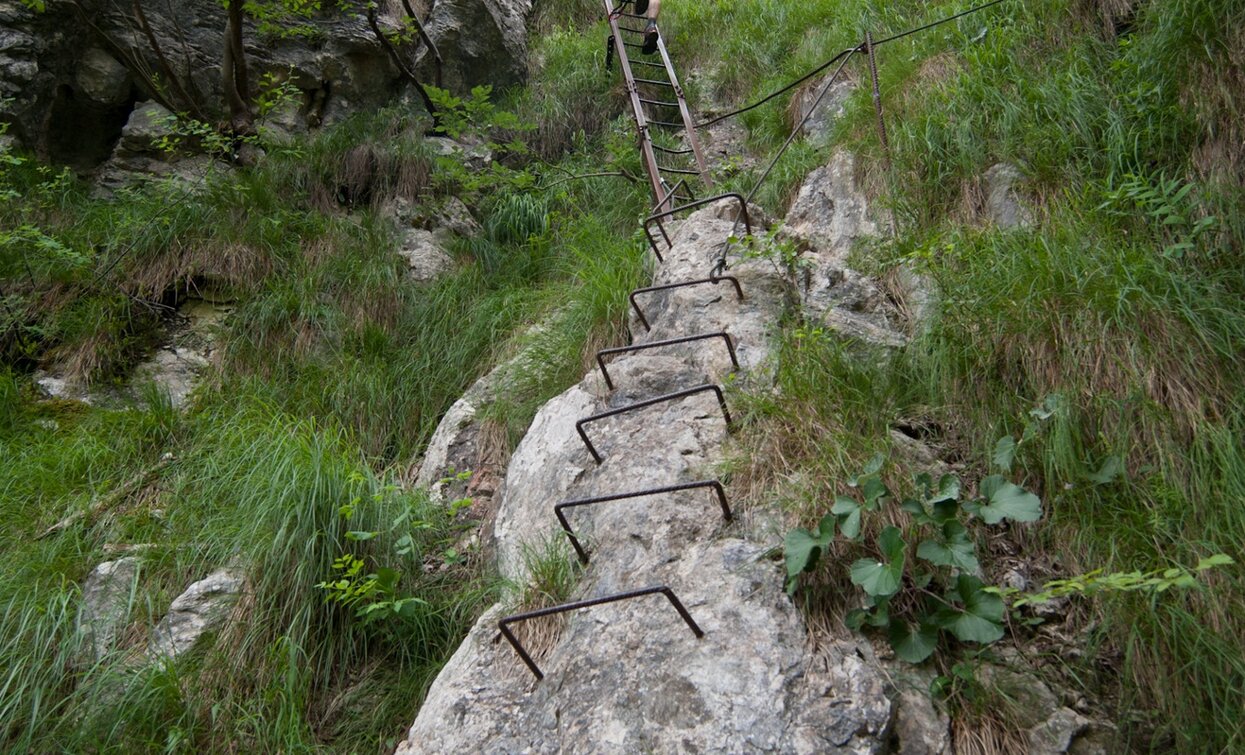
<point>234,76</point>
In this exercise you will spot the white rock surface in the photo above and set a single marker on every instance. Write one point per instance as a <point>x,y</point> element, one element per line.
<point>105,607</point>
<point>425,257</point>
<point>204,607</point>
<point>829,216</point>
<point>820,124</point>
<point>630,676</point>
<point>1003,205</point>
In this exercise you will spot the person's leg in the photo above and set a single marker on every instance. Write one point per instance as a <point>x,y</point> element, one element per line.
<point>650,29</point>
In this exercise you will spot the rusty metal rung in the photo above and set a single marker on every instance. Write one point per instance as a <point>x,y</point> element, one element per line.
<point>667,124</point>
<point>662,66</point>
<point>730,348</point>
<point>504,625</point>
<point>648,222</point>
<point>680,171</point>
<point>669,151</point>
<point>660,103</point>
<point>579,426</point>
<point>653,81</point>
<point>683,284</point>
<point>579,549</point>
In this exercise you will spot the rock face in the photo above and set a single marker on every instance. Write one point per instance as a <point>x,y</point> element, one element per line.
<point>480,41</point>
<point>105,607</point>
<point>629,676</point>
<point>202,608</point>
<point>819,126</point>
<point>1003,205</point>
<point>424,255</point>
<point>829,215</point>
<point>74,83</point>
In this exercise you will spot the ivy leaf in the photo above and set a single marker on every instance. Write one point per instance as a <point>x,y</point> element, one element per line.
<point>1004,500</point>
<point>978,617</point>
<point>911,646</point>
<point>956,549</point>
<point>882,578</point>
<point>1112,468</point>
<point>1004,452</point>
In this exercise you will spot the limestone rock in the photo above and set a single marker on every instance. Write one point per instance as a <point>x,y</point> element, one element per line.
<point>105,607</point>
<point>1069,732</point>
<point>1003,204</point>
<point>426,258</point>
<point>920,727</point>
<point>827,218</point>
<point>480,41</point>
<point>830,213</point>
<point>204,607</point>
<point>820,124</point>
<point>102,78</point>
<point>630,676</point>
<point>453,217</point>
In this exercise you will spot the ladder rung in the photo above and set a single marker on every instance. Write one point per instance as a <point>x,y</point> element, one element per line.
<point>669,151</point>
<point>633,31</point>
<point>654,81</point>
<point>667,124</point>
<point>662,66</point>
<point>680,171</point>
<point>659,102</point>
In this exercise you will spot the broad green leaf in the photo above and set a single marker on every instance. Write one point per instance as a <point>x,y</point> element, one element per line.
<point>882,578</point>
<point>911,646</point>
<point>856,619</point>
<point>873,467</point>
<point>978,617</point>
<point>955,549</point>
<point>875,492</point>
<point>1004,452</point>
<point>360,535</point>
<point>1004,500</point>
<point>802,549</point>
<point>914,507</point>
<point>948,489</point>
<point>1111,469</point>
<point>844,505</point>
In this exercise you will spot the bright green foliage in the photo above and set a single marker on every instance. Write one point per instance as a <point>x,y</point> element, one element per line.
<point>945,559</point>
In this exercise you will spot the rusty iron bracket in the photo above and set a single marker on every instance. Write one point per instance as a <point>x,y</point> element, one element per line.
<point>658,217</point>
<point>715,280</point>
<point>504,625</point>
<point>730,347</point>
<point>579,549</point>
<point>579,426</point>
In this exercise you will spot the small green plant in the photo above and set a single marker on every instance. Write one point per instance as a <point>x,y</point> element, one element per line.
<point>1095,582</point>
<point>372,596</point>
<point>918,594</point>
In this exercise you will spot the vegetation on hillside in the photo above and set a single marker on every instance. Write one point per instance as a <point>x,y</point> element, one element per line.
<point>1118,311</point>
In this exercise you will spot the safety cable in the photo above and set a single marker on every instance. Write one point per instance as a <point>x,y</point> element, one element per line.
<point>720,267</point>
<point>844,57</point>
<point>835,59</point>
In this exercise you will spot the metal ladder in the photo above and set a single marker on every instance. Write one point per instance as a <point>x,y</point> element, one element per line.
<point>650,95</point>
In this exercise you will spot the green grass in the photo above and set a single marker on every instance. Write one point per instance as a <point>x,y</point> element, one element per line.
<point>1123,300</point>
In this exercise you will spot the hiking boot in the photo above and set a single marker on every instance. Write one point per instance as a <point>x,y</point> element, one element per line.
<point>641,6</point>
<point>650,40</point>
